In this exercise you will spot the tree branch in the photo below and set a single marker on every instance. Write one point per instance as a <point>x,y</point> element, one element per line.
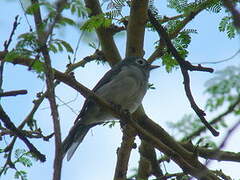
<point>42,39</point>
<point>136,28</point>
<point>185,66</point>
<point>148,164</point>
<point>105,36</point>
<point>8,124</point>
<point>96,55</point>
<point>214,154</point>
<point>13,93</point>
<point>123,153</point>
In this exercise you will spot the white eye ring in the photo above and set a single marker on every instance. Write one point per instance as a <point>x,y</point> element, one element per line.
<point>141,62</point>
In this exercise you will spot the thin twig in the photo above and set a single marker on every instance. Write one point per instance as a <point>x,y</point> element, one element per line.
<point>6,45</point>
<point>96,55</point>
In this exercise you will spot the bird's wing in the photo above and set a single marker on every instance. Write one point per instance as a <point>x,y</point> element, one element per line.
<point>105,79</point>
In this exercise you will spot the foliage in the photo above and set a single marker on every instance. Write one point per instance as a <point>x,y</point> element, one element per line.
<point>226,25</point>
<point>224,88</point>
<point>21,158</point>
<point>96,22</point>
<point>181,43</point>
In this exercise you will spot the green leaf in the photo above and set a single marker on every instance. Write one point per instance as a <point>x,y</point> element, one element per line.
<point>60,44</point>
<point>10,56</point>
<point>66,21</point>
<point>95,22</point>
<point>19,152</point>
<point>151,86</point>
<point>92,45</point>
<point>78,7</point>
<point>20,175</point>
<point>25,161</point>
<point>67,46</point>
<point>38,66</point>
<point>226,25</point>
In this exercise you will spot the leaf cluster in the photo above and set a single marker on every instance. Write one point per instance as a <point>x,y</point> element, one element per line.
<point>224,88</point>
<point>181,43</point>
<point>21,158</point>
<point>226,25</point>
<point>95,22</point>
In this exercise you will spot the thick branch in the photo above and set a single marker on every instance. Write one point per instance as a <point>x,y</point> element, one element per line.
<point>105,36</point>
<point>153,133</point>
<point>136,28</point>
<point>123,153</point>
<point>148,164</point>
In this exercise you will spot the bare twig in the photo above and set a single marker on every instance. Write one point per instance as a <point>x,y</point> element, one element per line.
<point>7,43</point>
<point>9,148</point>
<point>230,131</point>
<point>13,93</point>
<point>185,66</point>
<point>8,124</point>
<point>96,55</point>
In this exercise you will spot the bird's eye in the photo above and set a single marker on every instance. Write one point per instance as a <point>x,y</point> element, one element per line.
<point>141,62</point>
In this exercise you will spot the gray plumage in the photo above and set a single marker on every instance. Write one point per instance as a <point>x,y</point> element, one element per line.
<point>125,84</point>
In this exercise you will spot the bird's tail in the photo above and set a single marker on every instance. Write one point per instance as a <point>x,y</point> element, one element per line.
<point>74,138</point>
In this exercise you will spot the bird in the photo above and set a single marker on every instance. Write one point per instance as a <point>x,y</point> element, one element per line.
<point>124,85</point>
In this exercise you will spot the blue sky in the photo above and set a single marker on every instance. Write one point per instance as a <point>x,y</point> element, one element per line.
<point>96,157</point>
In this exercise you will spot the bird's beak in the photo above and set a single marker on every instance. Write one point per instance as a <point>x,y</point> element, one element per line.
<point>153,67</point>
